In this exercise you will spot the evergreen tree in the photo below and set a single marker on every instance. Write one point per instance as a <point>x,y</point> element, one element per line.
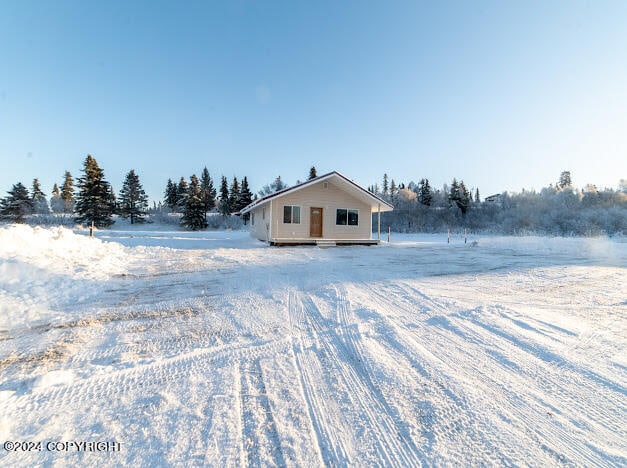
<point>477,199</point>
<point>133,198</point>
<point>245,198</point>
<point>171,195</point>
<point>564,181</point>
<point>234,196</point>
<point>207,191</point>
<point>40,204</point>
<point>194,209</point>
<point>67,193</point>
<point>425,193</point>
<point>224,207</point>
<point>115,206</point>
<point>17,205</point>
<point>95,201</point>
<point>460,195</point>
<point>393,189</point>
<point>181,194</point>
<point>313,173</point>
<point>56,202</point>
<point>385,185</point>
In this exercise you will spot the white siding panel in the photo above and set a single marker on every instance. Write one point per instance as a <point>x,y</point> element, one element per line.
<point>260,229</point>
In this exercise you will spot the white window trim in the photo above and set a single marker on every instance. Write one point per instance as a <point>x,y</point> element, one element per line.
<point>292,214</point>
<point>347,210</point>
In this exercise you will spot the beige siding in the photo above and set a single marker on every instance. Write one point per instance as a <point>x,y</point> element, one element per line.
<point>329,199</point>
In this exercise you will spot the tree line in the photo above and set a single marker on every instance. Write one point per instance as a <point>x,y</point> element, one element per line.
<point>559,209</point>
<point>196,198</point>
<point>90,200</point>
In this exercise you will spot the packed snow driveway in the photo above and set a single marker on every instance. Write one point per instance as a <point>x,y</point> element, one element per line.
<point>213,349</point>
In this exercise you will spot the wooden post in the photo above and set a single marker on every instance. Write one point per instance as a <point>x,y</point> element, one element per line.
<point>448,240</point>
<point>379,222</point>
<point>91,230</point>
<point>388,234</point>
<point>465,236</point>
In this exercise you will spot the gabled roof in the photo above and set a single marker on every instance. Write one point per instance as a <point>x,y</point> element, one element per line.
<point>375,200</point>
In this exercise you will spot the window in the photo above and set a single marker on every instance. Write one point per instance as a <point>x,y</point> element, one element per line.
<point>263,214</point>
<point>291,214</point>
<point>353,217</point>
<point>252,219</point>
<point>346,217</point>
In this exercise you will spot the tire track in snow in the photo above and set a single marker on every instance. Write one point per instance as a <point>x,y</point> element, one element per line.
<point>372,416</point>
<point>141,377</point>
<point>517,401</point>
<point>468,401</point>
<point>261,443</point>
<point>550,372</point>
<point>354,346</point>
<point>454,414</point>
<point>328,439</point>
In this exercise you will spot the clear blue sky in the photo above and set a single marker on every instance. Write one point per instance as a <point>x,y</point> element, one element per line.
<point>504,95</point>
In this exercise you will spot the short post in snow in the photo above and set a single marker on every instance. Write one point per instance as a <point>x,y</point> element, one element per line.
<point>388,234</point>
<point>448,240</point>
<point>379,222</point>
<point>465,236</point>
<point>91,230</point>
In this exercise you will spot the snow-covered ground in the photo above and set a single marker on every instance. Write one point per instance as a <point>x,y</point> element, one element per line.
<point>211,348</point>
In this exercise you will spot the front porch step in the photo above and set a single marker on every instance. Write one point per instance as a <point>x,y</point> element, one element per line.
<point>326,243</point>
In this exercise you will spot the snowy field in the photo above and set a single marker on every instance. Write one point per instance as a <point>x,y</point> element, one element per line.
<point>211,348</point>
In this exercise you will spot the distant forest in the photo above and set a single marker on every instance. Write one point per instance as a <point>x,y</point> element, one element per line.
<point>196,203</point>
<point>559,209</point>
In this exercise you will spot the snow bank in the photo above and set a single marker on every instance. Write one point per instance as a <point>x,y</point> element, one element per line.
<point>43,268</point>
<point>61,251</point>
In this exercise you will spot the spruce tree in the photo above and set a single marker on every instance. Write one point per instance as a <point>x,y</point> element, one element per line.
<point>564,181</point>
<point>460,195</point>
<point>40,204</point>
<point>385,185</point>
<point>56,202</point>
<point>234,196</point>
<point>245,198</point>
<point>133,198</point>
<point>115,206</point>
<point>425,194</point>
<point>393,189</point>
<point>207,191</point>
<point>17,205</point>
<point>67,193</point>
<point>224,207</point>
<point>181,195</point>
<point>194,209</point>
<point>477,199</point>
<point>171,195</point>
<point>95,201</point>
<point>313,173</point>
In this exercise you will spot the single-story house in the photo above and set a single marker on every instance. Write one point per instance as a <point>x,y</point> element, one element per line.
<point>329,209</point>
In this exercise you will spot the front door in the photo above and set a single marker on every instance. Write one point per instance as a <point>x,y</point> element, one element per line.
<point>315,222</point>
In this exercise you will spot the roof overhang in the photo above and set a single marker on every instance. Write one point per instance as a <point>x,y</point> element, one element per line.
<point>376,203</point>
